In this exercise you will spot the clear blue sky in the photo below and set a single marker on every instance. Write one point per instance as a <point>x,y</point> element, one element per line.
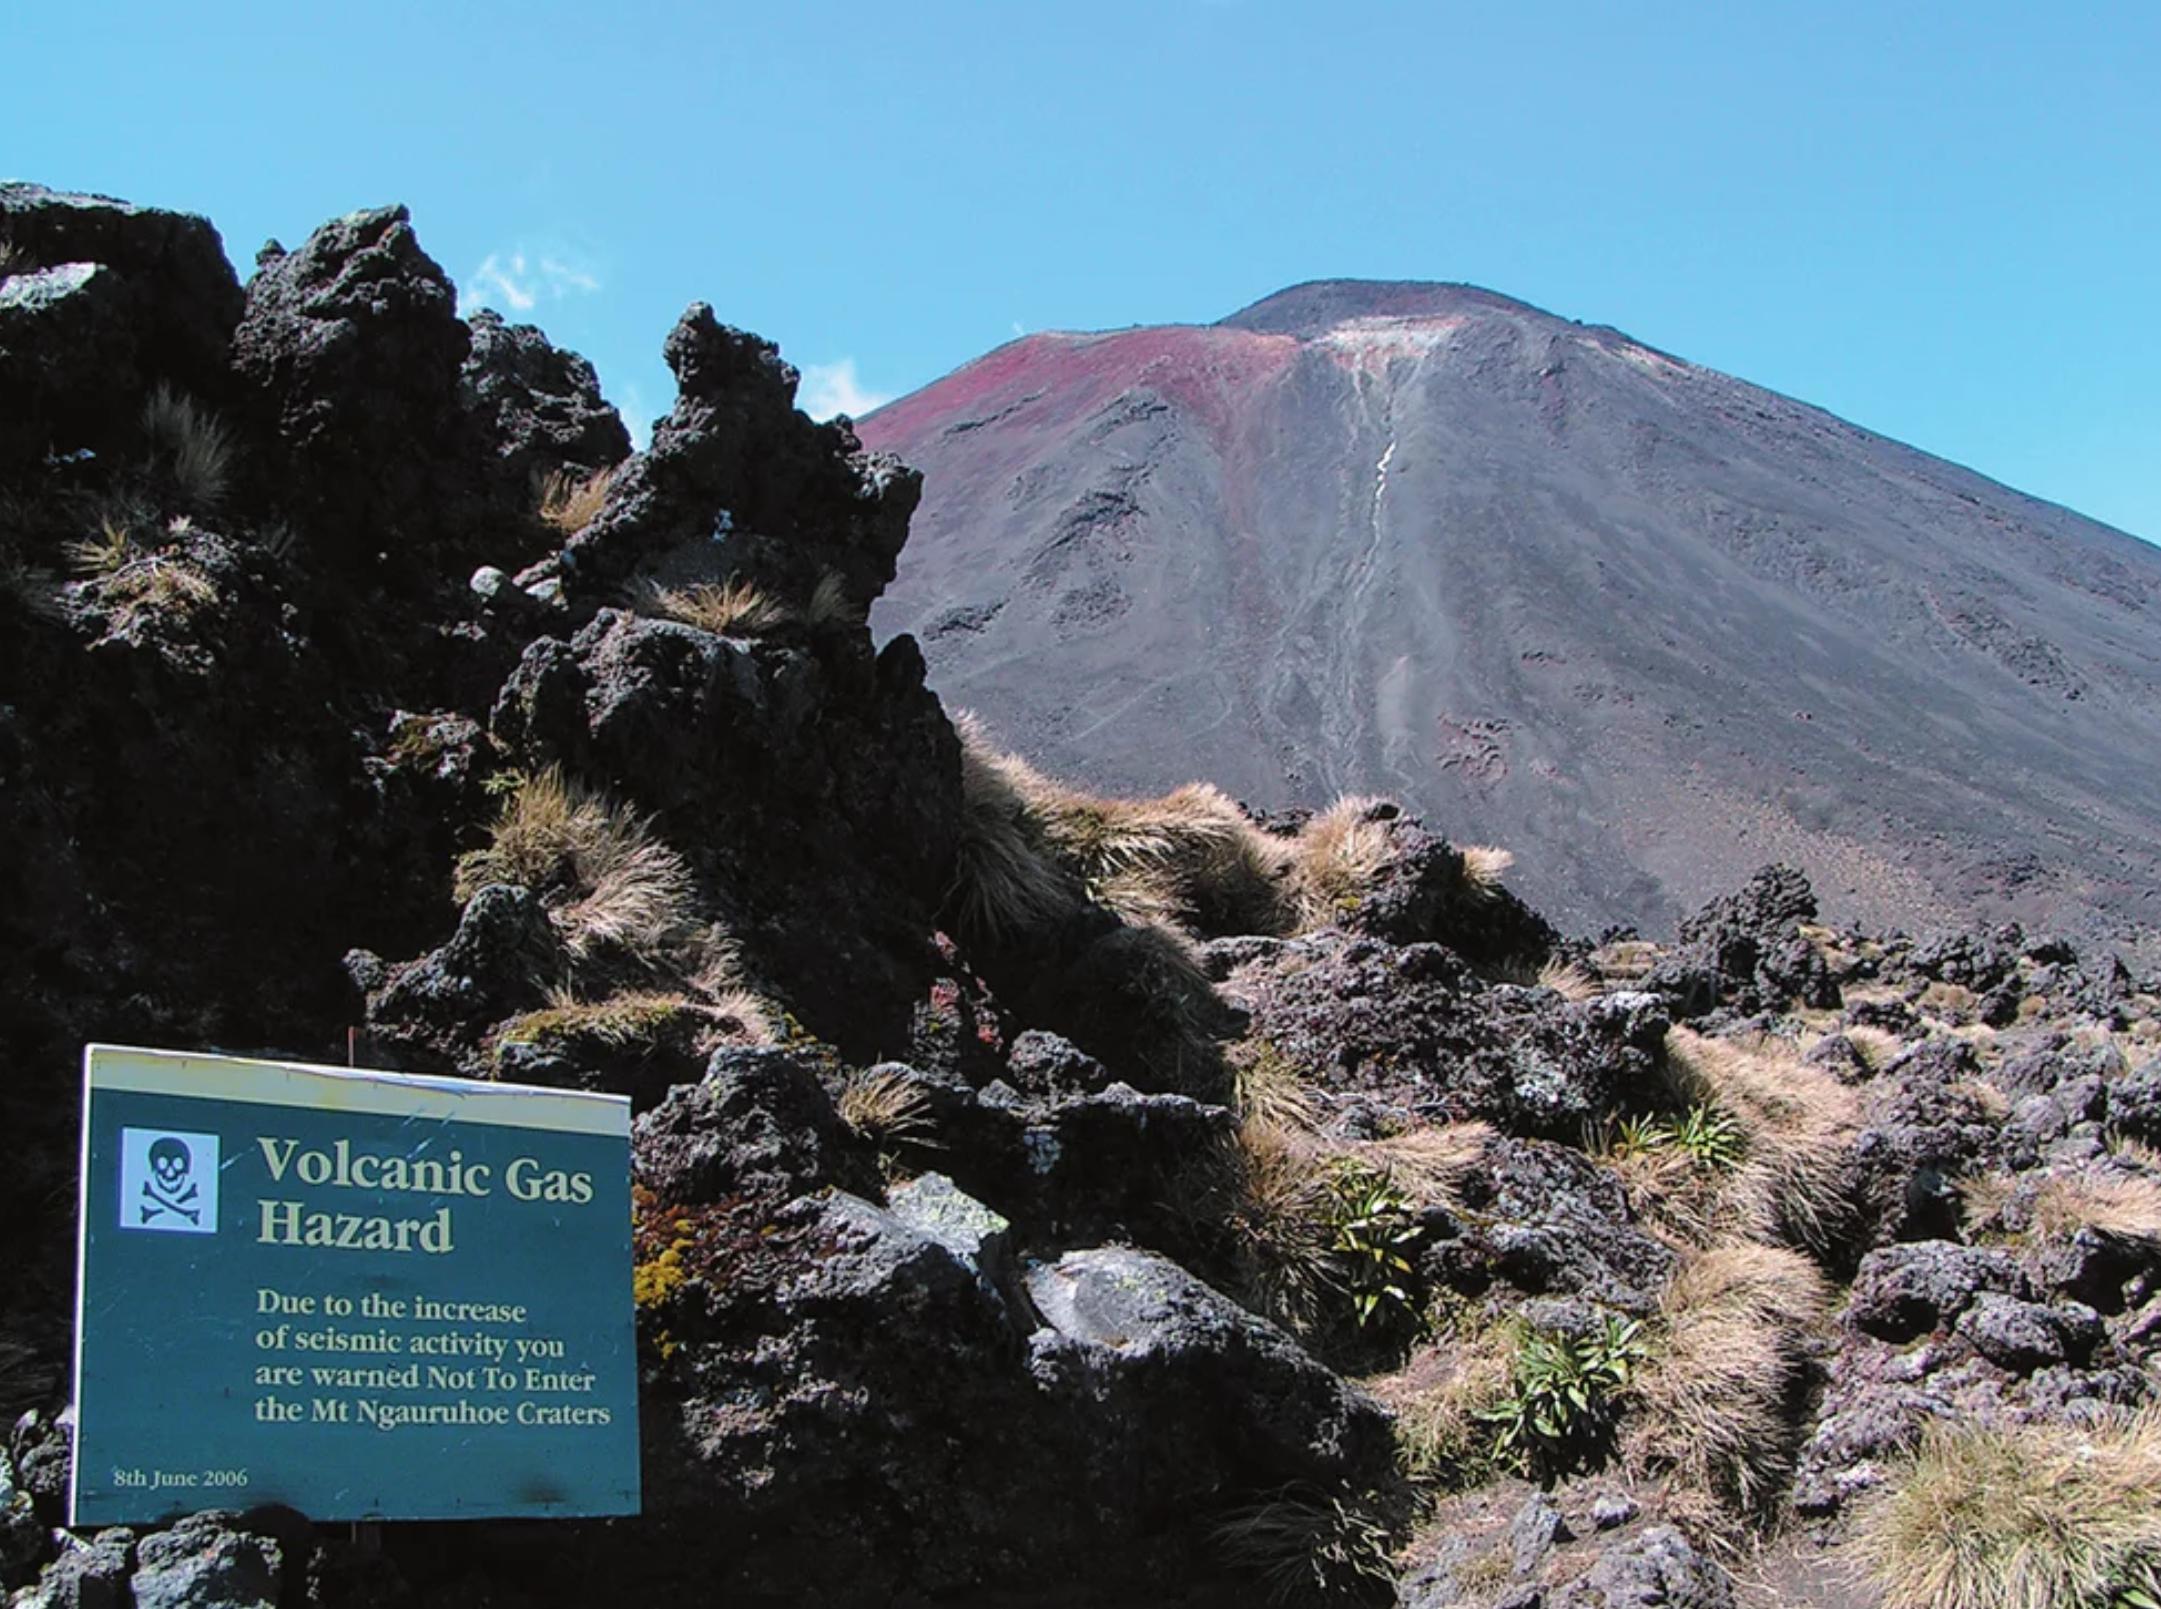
<point>1942,221</point>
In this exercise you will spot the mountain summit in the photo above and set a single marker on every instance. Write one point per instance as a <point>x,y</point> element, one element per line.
<point>1643,623</point>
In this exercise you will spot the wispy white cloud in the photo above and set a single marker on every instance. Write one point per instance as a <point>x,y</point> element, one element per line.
<point>1019,329</point>
<point>831,388</point>
<point>518,281</point>
<point>636,413</point>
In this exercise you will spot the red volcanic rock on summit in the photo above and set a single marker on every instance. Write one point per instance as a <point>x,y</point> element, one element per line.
<point>1646,624</point>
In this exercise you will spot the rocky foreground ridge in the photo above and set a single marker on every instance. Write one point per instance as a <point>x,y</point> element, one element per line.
<point>1043,1198</point>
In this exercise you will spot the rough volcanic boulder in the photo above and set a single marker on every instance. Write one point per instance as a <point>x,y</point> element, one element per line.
<point>540,405</point>
<point>814,787</point>
<point>1415,1027</point>
<point>858,1355</point>
<point>100,299</point>
<point>738,483</point>
<point>1745,951</point>
<point>1542,1219</point>
<point>350,351</point>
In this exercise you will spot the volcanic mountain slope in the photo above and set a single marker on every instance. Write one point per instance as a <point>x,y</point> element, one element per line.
<point>1639,621</point>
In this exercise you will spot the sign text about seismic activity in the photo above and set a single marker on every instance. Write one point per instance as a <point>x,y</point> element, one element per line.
<point>361,1295</point>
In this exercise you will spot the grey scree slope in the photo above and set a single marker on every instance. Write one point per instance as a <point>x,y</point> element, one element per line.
<point>1642,623</point>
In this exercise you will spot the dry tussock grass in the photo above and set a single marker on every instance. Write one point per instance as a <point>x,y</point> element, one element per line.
<point>1438,1399</point>
<point>2126,1206</point>
<point>832,605</point>
<point>1483,869</point>
<point>2022,1517</point>
<point>569,503</point>
<point>1625,960</point>
<point>1877,1047</point>
<point>1799,1121</point>
<point>132,583</point>
<point>886,1108</point>
<point>725,608</point>
<point>1274,1195</point>
<point>606,881</point>
<point>1571,980</point>
<point>1427,1165</point>
<point>1336,857</point>
<point>1711,1408</point>
<point>189,444</point>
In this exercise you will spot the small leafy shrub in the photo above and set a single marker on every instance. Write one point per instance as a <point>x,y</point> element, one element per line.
<point>1374,1229</point>
<point>1564,1395</point>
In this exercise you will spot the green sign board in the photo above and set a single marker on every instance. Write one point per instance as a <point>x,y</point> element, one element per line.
<point>361,1295</point>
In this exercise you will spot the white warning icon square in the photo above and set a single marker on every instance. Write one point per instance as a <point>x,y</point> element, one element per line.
<point>169,1181</point>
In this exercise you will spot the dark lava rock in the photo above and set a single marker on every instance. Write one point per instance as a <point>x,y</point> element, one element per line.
<point>1544,1219</point>
<point>204,1563</point>
<point>351,350</point>
<point>737,482</point>
<point>1655,1569</point>
<point>487,969</point>
<point>1538,1525</point>
<point>540,405</point>
<point>1901,1292</point>
<point>1413,1026</point>
<point>1745,951</point>
<point>165,304</point>
<point>737,749</point>
<point>760,1124</point>
<point>2134,1103</point>
<point>1926,1126</point>
<point>91,1573</point>
<point>1050,1067</point>
<point>1156,1358</point>
<point>2024,1336</point>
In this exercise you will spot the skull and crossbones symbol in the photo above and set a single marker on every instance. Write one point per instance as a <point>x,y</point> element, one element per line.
<point>169,1189</point>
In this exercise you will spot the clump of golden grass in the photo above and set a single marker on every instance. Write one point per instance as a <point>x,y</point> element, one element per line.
<point>1571,980</point>
<point>1276,1186</point>
<point>1799,1123</point>
<point>1952,1001</point>
<point>637,1016</point>
<point>1877,1047</point>
<point>1425,1164</point>
<point>1303,1545</point>
<point>569,503</point>
<point>1336,857</point>
<point>733,608</point>
<point>1276,1199</point>
<point>1033,849</point>
<point>832,605</point>
<point>133,583</point>
<point>1711,1407</point>
<point>1004,885</point>
<point>1441,1399</point>
<point>1483,869</point>
<point>2132,1149</point>
<point>606,881</point>
<point>2042,1516</point>
<point>188,442</point>
<point>2125,1206</point>
<point>1266,1085</point>
<point>886,1108</point>
<point>1625,960</point>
